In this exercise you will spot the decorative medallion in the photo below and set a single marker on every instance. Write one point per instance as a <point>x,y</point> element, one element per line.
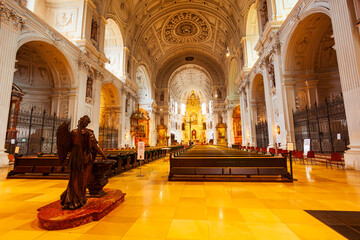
<point>186,27</point>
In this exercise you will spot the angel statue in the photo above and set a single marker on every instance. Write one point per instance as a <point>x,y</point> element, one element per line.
<point>83,148</point>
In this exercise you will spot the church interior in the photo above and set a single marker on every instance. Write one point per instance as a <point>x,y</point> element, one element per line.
<point>219,119</point>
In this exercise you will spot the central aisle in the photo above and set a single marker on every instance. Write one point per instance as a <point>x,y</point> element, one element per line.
<point>155,209</point>
<point>217,151</point>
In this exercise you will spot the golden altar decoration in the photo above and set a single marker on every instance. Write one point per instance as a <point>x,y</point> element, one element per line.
<point>140,126</point>
<point>221,134</point>
<point>237,125</point>
<point>161,135</point>
<point>195,129</point>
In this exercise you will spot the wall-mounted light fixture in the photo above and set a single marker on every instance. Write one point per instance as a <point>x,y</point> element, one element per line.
<point>227,52</point>
<point>126,136</point>
<point>278,129</point>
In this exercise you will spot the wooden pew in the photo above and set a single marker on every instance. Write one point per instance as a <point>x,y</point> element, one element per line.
<point>202,165</point>
<point>39,167</point>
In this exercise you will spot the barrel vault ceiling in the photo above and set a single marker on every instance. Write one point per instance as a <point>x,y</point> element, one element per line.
<point>160,31</point>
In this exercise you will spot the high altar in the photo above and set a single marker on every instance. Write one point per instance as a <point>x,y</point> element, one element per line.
<point>140,126</point>
<point>194,129</point>
<point>237,125</point>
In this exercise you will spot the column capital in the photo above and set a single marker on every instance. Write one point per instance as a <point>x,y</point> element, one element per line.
<point>11,17</point>
<point>275,49</point>
<point>289,82</point>
<point>312,83</point>
<point>83,65</point>
<point>99,76</point>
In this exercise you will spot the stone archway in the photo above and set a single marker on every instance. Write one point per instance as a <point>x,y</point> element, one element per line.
<point>258,111</point>
<point>311,63</point>
<point>109,124</point>
<point>43,77</point>
<point>114,48</point>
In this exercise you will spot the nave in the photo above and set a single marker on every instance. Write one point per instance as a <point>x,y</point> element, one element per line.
<point>156,209</point>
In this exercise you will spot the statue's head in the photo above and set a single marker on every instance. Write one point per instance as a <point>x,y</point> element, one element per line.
<point>84,121</point>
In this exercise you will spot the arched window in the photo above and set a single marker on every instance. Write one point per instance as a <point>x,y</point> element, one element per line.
<point>252,36</point>
<point>143,82</point>
<point>114,48</point>
<point>183,108</point>
<point>203,108</point>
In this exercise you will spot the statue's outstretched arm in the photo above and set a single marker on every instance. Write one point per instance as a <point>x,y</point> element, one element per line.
<point>95,145</point>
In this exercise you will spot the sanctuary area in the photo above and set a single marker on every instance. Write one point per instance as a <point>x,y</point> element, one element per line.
<point>182,119</point>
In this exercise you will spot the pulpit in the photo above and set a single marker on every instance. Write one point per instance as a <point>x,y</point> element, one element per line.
<point>140,126</point>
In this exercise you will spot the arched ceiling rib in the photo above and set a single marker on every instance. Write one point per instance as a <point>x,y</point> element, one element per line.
<point>208,63</point>
<point>190,78</point>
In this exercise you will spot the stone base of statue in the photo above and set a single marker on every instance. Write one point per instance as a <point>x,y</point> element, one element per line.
<point>53,217</point>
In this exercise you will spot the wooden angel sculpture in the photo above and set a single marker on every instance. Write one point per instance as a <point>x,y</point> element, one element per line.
<point>83,148</point>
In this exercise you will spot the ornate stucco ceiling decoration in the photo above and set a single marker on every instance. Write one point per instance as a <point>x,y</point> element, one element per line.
<point>161,28</point>
<point>188,78</point>
<point>186,27</point>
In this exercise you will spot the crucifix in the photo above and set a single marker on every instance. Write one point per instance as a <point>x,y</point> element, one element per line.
<point>190,136</point>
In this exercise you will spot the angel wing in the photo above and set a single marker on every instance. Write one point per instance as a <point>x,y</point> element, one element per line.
<point>63,141</point>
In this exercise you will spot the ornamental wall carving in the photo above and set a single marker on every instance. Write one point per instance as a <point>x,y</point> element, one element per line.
<point>10,16</point>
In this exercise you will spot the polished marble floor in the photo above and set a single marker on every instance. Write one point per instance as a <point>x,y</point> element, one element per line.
<point>157,209</point>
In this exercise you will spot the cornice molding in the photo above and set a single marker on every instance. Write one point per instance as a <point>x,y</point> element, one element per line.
<point>11,17</point>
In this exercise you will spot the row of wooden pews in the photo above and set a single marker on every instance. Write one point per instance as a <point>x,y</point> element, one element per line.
<point>49,166</point>
<point>217,163</point>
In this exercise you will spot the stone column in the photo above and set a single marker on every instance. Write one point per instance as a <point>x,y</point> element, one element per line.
<point>253,121</point>
<point>122,118</point>
<point>348,54</point>
<point>230,133</point>
<point>251,126</point>
<point>290,95</point>
<point>284,113</point>
<point>312,92</point>
<point>270,115</point>
<point>96,106</point>
<point>243,117</point>
<point>78,101</point>
<point>10,26</point>
<point>216,121</point>
<point>132,110</point>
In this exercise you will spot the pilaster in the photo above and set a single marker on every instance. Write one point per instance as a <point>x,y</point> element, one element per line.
<point>348,54</point>
<point>10,26</point>
<point>80,98</point>
<point>283,111</point>
<point>243,117</point>
<point>96,105</point>
<point>270,114</point>
<point>122,118</point>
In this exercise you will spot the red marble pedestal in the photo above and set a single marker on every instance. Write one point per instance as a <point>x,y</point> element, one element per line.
<point>53,217</point>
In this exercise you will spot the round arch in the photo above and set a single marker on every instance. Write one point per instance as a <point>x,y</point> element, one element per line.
<point>114,48</point>
<point>311,60</point>
<point>45,76</point>
<point>252,36</point>
<point>188,78</point>
<point>109,123</point>
<point>232,77</point>
<point>58,54</point>
<point>144,83</point>
<point>257,97</point>
<point>313,10</point>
